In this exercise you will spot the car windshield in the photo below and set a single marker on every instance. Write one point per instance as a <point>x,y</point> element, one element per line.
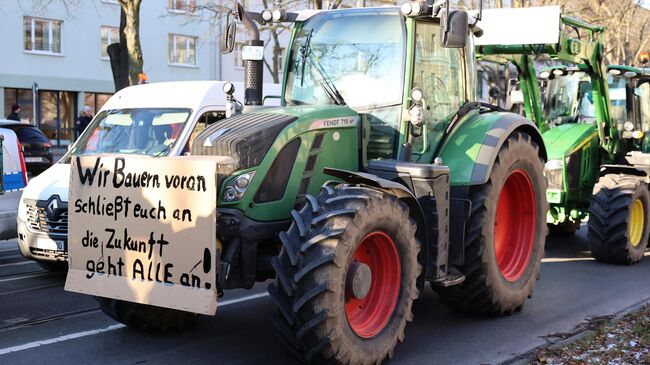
<point>353,57</point>
<point>147,131</point>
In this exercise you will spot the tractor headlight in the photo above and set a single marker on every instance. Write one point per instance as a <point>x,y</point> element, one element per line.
<point>553,173</point>
<point>628,126</point>
<point>236,187</point>
<point>553,165</point>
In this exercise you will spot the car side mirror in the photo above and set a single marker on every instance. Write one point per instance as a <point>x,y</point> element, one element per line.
<point>455,29</point>
<point>228,37</point>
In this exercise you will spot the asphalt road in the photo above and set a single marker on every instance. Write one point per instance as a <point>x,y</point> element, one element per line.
<point>40,323</point>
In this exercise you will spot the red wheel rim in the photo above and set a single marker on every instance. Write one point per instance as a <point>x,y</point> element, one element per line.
<point>514,225</point>
<point>368,316</point>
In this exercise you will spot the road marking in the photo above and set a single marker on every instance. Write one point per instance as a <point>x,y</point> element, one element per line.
<point>50,341</point>
<point>72,336</point>
<point>28,276</point>
<point>567,259</point>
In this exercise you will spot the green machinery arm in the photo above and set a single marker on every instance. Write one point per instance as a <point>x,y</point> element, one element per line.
<point>585,50</point>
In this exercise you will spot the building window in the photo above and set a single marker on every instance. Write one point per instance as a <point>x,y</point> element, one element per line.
<point>109,35</point>
<point>182,6</point>
<point>182,49</point>
<point>239,62</point>
<point>42,35</point>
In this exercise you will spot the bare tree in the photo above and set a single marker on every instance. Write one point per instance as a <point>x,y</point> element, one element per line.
<point>126,56</point>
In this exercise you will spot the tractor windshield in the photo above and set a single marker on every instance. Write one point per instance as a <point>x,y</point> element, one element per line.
<point>141,131</point>
<point>354,57</point>
<point>569,99</point>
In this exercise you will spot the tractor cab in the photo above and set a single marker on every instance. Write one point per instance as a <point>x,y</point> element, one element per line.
<point>629,91</point>
<point>360,59</point>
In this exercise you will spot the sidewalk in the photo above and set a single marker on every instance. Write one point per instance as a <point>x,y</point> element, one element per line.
<point>8,213</point>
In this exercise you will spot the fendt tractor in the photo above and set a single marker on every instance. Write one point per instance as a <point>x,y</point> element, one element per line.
<point>379,173</point>
<point>597,166</point>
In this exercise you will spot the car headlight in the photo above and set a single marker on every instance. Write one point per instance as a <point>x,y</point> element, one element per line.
<point>236,187</point>
<point>22,210</point>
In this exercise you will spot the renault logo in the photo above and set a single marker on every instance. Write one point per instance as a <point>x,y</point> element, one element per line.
<point>52,209</point>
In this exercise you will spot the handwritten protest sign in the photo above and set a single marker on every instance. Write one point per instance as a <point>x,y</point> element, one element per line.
<point>143,230</point>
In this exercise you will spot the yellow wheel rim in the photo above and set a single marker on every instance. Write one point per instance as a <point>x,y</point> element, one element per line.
<point>637,222</point>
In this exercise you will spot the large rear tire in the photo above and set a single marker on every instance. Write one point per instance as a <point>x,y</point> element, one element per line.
<point>505,233</point>
<point>618,219</point>
<point>146,317</point>
<point>346,277</point>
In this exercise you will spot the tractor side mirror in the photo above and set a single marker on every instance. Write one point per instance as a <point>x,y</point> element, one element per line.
<point>228,37</point>
<point>455,29</point>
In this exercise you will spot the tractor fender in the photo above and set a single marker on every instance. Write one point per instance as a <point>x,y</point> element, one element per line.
<point>640,171</point>
<point>396,189</point>
<point>471,149</point>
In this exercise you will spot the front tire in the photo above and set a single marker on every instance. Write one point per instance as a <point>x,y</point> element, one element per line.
<point>618,219</point>
<point>505,233</point>
<point>346,277</point>
<point>146,317</point>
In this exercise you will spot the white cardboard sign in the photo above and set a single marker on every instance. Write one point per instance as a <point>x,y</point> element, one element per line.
<point>508,26</point>
<point>142,229</point>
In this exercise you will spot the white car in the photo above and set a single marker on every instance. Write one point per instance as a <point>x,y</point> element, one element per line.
<point>158,119</point>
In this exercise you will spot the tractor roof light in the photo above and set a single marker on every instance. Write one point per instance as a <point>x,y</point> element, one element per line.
<point>414,8</point>
<point>544,75</point>
<point>279,15</point>
<point>644,57</point>
<point>630,74</point>
<point>267,15</point>
<point>559,72</point>
<point>628,126</point>
<point>274,15</point>
<point>614,72</point>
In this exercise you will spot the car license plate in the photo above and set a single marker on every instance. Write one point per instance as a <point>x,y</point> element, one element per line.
<point>60,245</point>
<point>33,159</point>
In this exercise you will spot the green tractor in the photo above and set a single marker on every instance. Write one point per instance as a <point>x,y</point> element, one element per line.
<point>379,173</point>
<point>597,163</point>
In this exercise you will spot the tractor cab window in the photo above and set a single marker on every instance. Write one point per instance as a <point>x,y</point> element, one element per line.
<point>440,73</point>
<point>642,95</point>
<point>570,100</point>
<point>353,58</point>
<point>618,96</point>
<point>356,56</point>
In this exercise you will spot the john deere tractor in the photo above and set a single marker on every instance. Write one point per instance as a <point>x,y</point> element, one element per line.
<point>597,165</point>
<point>379,173</point>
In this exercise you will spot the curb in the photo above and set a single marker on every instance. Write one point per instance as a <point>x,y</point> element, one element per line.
<point>528,357</point>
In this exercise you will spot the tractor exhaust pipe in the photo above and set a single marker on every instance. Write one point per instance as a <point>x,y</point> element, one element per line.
<point>253,55</point>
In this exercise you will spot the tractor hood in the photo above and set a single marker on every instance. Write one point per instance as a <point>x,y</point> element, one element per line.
<point>248,137</point>
<point>563,139</point>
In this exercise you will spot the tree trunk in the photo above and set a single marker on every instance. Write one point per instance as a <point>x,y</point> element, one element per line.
<point>117,52</point>
<point>132,34</point>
